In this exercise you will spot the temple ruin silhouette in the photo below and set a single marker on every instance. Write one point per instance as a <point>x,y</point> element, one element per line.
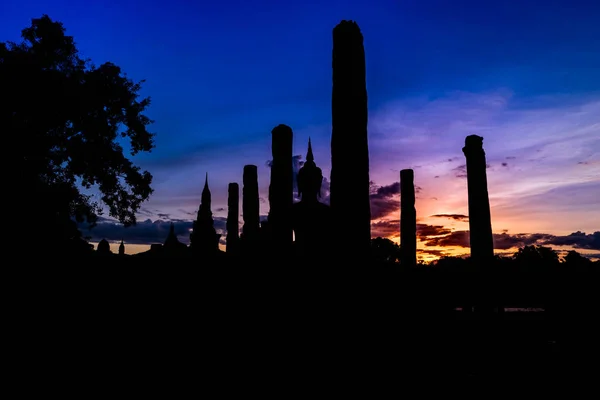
<point>306,231</point>
<point>312,219</point>
<point>281,188</point>
<point>233,218</point>
<point>350,183</point>
<point>480,224</point>
<point>408,219</point>
<point>301,229</point>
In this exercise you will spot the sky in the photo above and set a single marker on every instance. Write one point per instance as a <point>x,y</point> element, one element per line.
<point>523,75</point>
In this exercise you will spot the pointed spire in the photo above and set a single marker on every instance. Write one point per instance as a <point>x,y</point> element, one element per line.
<point>205,202</point>
<point>206,192</point>
<point>309,176</point>
<point>171,237</point>
<point>310,158</point>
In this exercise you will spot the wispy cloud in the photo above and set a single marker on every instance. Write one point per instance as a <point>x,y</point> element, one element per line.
<point>543,156</point>
<point>144,232</point>
<point>457,217</point>
<point>385,200</point>
<point>506,241</point>
<point>543,162</point>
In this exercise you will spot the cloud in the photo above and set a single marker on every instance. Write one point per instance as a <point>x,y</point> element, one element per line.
<point>384,200</point>
<point>460,171</point>
<point>593,256</point>
<point>541,141</point>
<point>145,212</point>
<point>438,235</point>
<point>539,188</point>
<point>387,191</point>
<point>385,228</point>
<point>455,238</point>
<point>144,232</point>
<point>437,253</point>
<point>578,239</point>
<point>325,192</point>
<point>424,231</point>
<point>434,235</point>
<point>557,210</point>
<point>391,228</point>
<point>457,217</point>
<point>505,241</point>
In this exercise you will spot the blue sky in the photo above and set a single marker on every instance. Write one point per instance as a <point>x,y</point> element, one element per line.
<point>524,75</point>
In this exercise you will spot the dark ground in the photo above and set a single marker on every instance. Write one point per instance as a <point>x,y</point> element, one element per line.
<point>253,327</point>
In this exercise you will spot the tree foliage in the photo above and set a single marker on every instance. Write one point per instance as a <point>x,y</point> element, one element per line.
<point>384,250</point>
<point>68,118</point>
<point>536,257</point>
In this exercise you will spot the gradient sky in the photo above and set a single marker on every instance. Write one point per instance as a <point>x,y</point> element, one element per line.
<point>524,75</point>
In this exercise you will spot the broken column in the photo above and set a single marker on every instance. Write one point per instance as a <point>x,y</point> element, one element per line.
<point>233,213</point>
<point>281,189</point>
<point>408,219</point>
<point>350,187</point>
<point>250,204</point>
<point>480,224</point>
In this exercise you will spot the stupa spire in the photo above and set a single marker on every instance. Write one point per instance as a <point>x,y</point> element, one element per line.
<point>309,153</point>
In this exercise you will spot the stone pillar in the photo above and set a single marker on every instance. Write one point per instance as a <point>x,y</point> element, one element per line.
<point>408,219</point>
<point>233,214</point>
<point>281,189</point>
<point>480,224</point>
<point>350,187</point>
<point>250,204</point>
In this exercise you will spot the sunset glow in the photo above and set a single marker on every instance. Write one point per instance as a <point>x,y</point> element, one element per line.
<point>220,83</point>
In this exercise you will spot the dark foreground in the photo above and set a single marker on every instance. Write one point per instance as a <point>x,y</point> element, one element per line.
<point>256,329</point>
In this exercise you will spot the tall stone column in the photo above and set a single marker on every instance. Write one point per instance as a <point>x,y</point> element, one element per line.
<point>350,186</point>
<point>480,224</point>
<point>408,219</point>
<point>281,189</point>
<point>233,215</point>
<point>250,204</point>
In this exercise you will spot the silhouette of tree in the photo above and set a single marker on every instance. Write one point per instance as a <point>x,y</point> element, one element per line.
<point>70,118</point>
<point>536,257</point>
<point>383,249</point>
<point>575,260</point>
<point>452,264</point>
